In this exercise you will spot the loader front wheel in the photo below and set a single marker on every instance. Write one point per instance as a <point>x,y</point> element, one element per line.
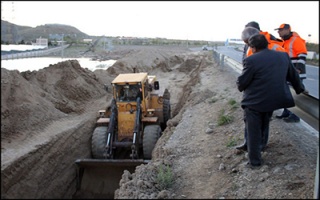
<point>99,141</point>
<point>151,134</point>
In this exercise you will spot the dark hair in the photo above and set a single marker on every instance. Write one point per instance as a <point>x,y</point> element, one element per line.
<point>258,41</point>
<point>253,24</point>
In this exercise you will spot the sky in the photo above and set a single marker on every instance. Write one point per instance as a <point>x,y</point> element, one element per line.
<point>185,20</point>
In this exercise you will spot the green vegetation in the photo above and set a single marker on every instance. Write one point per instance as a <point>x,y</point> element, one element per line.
<point>165,177</point>
<point>232,142</point>
<point>224,119</point>
<point>313,47</point>
<point>233,103</point>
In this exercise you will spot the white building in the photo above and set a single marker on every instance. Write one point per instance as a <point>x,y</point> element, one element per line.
<point>87,40</point>
<point>41,42</point>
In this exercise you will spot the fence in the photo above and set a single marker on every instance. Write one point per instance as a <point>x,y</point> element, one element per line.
<point>30,54</point>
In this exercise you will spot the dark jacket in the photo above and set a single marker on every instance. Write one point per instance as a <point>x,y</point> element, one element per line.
<point>264,81</point>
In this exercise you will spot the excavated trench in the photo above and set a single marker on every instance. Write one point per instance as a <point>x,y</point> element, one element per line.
<point>45,167</point>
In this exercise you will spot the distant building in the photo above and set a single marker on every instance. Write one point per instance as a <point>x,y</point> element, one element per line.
<point>41,42</point>
<point>236,41</point>
<point>87,40</point>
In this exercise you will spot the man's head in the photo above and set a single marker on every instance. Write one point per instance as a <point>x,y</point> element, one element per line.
<point>248,32</point>
<point>253,24</point>
<point>258,43</point>
<point>284,30</point>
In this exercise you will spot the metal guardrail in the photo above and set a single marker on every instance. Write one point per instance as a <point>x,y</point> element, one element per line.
<point>31,54</point>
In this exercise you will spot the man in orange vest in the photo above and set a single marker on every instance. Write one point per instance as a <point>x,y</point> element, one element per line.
<point>274,42</point>
<point>296,48</point>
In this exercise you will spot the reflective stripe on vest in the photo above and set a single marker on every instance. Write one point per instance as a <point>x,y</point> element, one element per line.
<point>301,59</point>
<point>290,46</point>
<point>303,76</point>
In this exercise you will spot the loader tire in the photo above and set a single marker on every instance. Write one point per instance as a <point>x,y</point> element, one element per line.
<point>166,113</point>
<point>151,134</point>
<point>99,141</point>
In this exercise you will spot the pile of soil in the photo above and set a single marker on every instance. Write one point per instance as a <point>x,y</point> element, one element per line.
<point>48,116</point>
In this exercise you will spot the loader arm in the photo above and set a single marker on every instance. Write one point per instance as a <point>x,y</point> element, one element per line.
<point>111,129</point>
<point>136,131</point>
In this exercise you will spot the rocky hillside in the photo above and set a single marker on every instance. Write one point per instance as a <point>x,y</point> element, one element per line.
<point>13,33</point>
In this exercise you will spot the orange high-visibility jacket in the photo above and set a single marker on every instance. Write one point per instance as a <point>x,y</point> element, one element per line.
<point>272,39</point>
<point>273,44</point>
<point>295,45</point>
<point>296,48</point>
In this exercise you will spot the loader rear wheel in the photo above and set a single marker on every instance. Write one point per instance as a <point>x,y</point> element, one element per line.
<point>99,141</point>
<point>166,113</point>
<point>151,134</point>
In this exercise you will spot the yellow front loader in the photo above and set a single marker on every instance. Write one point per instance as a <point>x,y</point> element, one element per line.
<point>125,134</point>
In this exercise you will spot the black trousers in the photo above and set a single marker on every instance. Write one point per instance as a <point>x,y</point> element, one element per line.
<point>257,127</point>
<point>265,133</point>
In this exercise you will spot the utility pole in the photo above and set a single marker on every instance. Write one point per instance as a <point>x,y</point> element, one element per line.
<point>62,46</point>
<point>309,36</point>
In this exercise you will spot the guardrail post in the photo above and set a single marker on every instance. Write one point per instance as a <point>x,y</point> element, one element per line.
<point>216,56</point>
<point>222,61</point>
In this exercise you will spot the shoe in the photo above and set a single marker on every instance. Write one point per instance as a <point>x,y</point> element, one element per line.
<point>242,147</point>
<point>305,92</point>
<point>249,165</point>
<point>291,119</point>
<point>282,116</point>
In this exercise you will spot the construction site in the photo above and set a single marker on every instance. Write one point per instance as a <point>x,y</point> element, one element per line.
<point>49,117</point>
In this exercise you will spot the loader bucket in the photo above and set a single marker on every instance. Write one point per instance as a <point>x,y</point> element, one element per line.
<point>99,178</point>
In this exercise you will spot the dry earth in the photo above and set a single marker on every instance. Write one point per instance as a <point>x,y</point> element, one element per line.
<point>47,117</point>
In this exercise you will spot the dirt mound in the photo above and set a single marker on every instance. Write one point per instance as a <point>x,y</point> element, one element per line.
<point>37,97</point>
<point>146,59</point>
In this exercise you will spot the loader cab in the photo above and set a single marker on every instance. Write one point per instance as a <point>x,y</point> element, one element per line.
<point>127,87</point>
<point>128,93</point>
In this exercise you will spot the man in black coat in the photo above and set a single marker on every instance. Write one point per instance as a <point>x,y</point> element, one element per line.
<point>264,84</point>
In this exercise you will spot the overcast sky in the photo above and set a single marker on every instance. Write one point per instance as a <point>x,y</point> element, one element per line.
<point>193,20</point>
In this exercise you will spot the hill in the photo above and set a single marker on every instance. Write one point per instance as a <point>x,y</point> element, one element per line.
<point>12,33</point>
